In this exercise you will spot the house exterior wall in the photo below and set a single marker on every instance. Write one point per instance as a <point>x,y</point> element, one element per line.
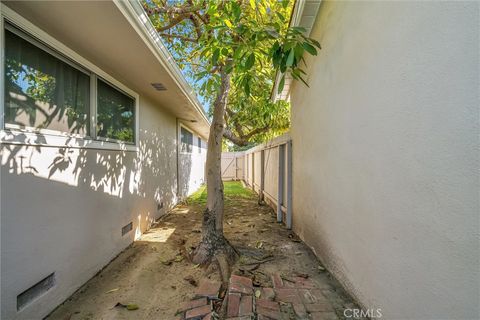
<point>385,155</point>
<point>67,218</point>
<point>63,208</point>
<point>191,165</point>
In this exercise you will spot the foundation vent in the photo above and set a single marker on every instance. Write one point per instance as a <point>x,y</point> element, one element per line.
<point>34,292</point>
<point>126,229</point>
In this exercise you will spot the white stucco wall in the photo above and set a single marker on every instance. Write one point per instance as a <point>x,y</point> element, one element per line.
<point>68,220</point>
<point>385,155</point>
<point>191,165</point>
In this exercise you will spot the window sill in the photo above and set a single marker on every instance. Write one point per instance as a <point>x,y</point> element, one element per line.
<point>28,138</point>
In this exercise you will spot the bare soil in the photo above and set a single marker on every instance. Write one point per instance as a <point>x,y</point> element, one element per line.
<point>156,275</point>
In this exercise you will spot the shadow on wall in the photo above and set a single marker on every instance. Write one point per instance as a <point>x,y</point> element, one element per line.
<point>148,174</point>
<point>186,182</point>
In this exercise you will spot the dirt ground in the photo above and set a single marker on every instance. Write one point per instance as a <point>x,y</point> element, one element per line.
<point>151,272</point>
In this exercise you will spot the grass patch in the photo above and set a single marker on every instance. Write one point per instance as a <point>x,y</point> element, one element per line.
<point>232,190</point>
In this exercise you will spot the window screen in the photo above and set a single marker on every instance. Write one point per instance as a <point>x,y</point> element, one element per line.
<point>115,113</point>
<point>41,90</point>
<point>187,140</point>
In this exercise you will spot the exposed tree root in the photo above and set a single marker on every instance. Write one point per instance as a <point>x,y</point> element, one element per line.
<point>213,243</point>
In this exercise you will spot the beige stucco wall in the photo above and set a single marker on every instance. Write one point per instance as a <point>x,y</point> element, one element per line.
<point>67,217</point>
<point>385,155</point>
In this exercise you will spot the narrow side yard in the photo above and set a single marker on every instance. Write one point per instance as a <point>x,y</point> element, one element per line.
<point>154,279</point>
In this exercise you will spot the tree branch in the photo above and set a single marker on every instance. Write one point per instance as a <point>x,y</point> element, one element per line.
<point>177,36</point>
<point>173,22</point>
<point>228,134</point>
<point>170,10</point>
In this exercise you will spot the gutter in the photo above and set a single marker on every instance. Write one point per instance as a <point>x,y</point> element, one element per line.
<point>136,16</point>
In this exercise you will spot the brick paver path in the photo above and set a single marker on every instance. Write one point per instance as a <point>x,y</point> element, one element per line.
<point>290,298</point>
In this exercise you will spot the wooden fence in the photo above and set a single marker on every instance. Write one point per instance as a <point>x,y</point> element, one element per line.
<point>266,169</point>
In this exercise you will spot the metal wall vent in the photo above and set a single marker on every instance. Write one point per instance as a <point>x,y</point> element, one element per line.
<point>158,86</point>
<point>35,291</point>
<point>126,229</point>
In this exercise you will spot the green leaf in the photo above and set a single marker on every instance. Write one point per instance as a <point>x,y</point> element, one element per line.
<point>247,88</point>
<point>281,84</point>
<point>215,56</point>
<point>280,16</point>
<point>299,29</point>
<point>236,11</point>
<point>132,307</point>
<point>309,48</point>
<point>290,59</point>
<point>250,61</point>
<point>315,43</point>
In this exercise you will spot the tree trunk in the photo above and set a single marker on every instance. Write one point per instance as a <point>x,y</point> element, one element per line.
<point>213,242</point>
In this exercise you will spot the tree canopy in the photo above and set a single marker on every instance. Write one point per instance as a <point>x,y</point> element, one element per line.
<point>249,40</point>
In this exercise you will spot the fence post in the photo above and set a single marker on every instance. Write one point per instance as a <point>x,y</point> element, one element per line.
<point>281,173</point>
<point>262,176</point>
<point>289,184</point>
<point>253,171</point>
<point>236,166</point>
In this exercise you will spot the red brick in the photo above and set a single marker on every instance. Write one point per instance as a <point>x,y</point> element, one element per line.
<point>287,295</point>
<point>300,310</point>
<point>323,316</point>
<point>198,312</point>
<point>208,317</point>
<point>277,281</point>
<point>267,304</point>
<point>273,314</point>
<point>311,296</point>
<point>246,306</point>
<point>267,293</point>
<point>240,288</point>
<point>208,289</point>
<point>303,283</point>
<point>319,306</point>
<point>247,282</point>
<point>193,304</point>
<point>233,304</point>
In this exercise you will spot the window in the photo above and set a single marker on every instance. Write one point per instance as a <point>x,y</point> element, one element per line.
<point>186,139</point>
<point>115,113</point>
<point>49,93</point>
<point>199,145</point>
<point>41,90</point>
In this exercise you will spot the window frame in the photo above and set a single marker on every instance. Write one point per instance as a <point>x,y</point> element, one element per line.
<point>180,139</point>
<point>48,137</point>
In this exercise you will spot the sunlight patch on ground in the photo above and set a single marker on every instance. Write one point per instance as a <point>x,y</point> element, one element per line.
<point>157,235</point>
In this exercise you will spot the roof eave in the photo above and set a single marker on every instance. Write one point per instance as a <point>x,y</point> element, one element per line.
<point>137,17</point>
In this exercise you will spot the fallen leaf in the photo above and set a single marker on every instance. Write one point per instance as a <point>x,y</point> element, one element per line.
<point>321,269</point>
<point>131,307</point>
<point>166,262</point>
<point>178,258</point>
<point>258,293</point>
<point>113,290</point>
